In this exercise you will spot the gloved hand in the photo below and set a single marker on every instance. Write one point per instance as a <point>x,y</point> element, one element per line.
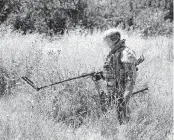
<point>97,76</point>
<point>127,95</point>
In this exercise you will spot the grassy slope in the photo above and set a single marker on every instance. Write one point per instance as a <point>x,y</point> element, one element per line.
<point>27,114</point>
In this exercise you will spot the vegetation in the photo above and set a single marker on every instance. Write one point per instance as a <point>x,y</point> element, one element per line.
<point>152,17</point>
<point>58,112</point>
<point>52,40</point>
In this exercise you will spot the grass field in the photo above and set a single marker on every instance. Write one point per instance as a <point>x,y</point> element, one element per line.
<point>26,114</point>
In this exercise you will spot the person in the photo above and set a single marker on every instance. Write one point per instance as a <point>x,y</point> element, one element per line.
<point>119,74</point>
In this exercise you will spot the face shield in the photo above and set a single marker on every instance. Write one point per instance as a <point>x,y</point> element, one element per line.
<point>112,40</point>
<point>115,38</point>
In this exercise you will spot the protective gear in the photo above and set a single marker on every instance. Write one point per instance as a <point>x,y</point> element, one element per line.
<point>115,36</point>
<point>111,34</point>
<point>112,37</point>
<point>120,74</point>
<point>109,68</point>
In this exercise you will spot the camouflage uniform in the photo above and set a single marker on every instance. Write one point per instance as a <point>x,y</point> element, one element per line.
<point>119,72</point>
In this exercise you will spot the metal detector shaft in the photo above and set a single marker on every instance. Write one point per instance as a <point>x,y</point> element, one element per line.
<point>65,80</point>
<point>139,91</point>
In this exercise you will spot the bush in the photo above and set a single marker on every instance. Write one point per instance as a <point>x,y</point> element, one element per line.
<point>152,22</point>
<point>55,17</point>
<point>50,17</point>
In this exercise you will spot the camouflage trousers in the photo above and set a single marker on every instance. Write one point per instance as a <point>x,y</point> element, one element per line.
<point>114,99</point>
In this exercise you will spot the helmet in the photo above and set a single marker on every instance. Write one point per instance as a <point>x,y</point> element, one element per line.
<point>112,35</point>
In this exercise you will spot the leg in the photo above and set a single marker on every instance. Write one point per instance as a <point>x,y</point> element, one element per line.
<point>126,106</point>
<point>103,102</point>
<point>121,110</point>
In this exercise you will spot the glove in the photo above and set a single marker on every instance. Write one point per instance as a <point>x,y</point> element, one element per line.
<point>127,95</point>
<point>97,76</point>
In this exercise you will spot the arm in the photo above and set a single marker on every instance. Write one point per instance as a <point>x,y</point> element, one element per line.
<point>129,60</point>
<point>130,73</point>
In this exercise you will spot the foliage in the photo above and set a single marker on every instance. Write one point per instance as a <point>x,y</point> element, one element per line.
<point>46,16</point>
<point>153,23</point>
<point>57,16</point>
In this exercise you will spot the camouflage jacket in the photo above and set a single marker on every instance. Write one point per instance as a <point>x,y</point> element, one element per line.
<point>119,69</point>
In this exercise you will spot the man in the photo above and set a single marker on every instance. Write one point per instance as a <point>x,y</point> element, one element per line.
<point>119,73</point>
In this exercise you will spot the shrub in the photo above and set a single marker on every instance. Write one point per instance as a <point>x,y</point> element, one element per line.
<point>152,22</point>
<point>55,17</point>
<point>50,17</point>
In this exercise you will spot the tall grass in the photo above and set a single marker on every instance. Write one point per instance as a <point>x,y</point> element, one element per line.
<point>48,114</point>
